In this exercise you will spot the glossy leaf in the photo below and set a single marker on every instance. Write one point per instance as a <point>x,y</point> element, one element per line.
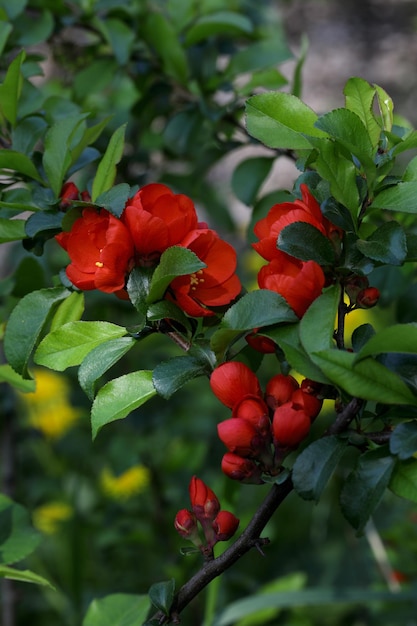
<point>17,537</point>
<point>138,285</point>
<point>217,23</point>
<point>42,222</point>
<point>18,162</point>
<point>386,107</point>
<point>100,360</point>
<point>11,88</point>
<point>175,261</point>
<point>280,120</point>
<point>359,98</point>
<point>400,197</point>
<point>8,375</point>
<point>387,244</point>
<point>12,230</point>
<point>162,37</point>
<point>365,486</point>
<point>119,397</point>
<point>314,466</point>
<point>396,338</point>
<point>256,309</point>
<point>69,344</point>
<point>106,170</point>
<point>318,323</point>
<point>162,595</point>
<point>118,609</point>
<point>249,176</point>
<point>24,576</point>
<point>114,200</point>
<point>169,376</point>
<point>69,310</point>
<point>258,56</point>
<point>26,323</point>
<point>305,242</point>
<point>404,480</point>
<point>403,441</point>
<point>367,379</point>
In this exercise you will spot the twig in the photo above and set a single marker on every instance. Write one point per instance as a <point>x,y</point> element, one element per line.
<point>345,417</point>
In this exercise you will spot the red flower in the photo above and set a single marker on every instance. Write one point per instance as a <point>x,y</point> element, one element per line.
<point>308,402</point>
<point>279,390</point>
<point>242,469</point>
<point>281,215</point>
<point>216,284</point>
<point>204,501</point>
<point>367,298</point>
<point>100,249</point>
<point>232,381</point>
<point>225,525</point>
<point>299,282</point>
<point>254,410</point>
<point>157,218</point>
<point>290,425</point>
<point>69,193</point>
<point>241,437</point>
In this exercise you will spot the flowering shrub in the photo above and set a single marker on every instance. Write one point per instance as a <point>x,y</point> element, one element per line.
<point>331,247</point>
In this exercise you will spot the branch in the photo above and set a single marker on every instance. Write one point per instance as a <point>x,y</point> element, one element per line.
<point>345,417</point>
<point>249,539</point>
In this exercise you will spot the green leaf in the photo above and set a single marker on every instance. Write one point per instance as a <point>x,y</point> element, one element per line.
<point>403,441</point>
<point>305,241</point>
<point>89,136</point>
<point>166,309</point>
<point>13,9</point>
<point>57,155</point>
<point>314,466</point>
<point>11,88</point>
<point>359,98</point>
<point>42,222</point>
<point>18,162</point>
<point>119,35</point>
<point>162,37</point>
<point>8,375</point>
<point>24,576</point>
<point>5,30</point>
<point>386,108</point>
<point>367,379</point>
<point>171,375</point>
<point>100,360</point>
<point>138,285</point>
<point>114,200</point>
<point>69,310</point>
<point>17,537</point>
<point>217,23</point>
<point>106,170</point>
<point>175,261</point>
<point>404,480</point>
<point>365,486</point>
<point>400,197</point>
<point>249,176</point>
<point>339,171</point>
<point>281,120</point>
<point>318,322</point>
<point>26,323</point>
<point>12,230</point>
<point>119,397</point>
<point>162,595</point>
<point>69,344</point>
<point>258,56</point>
<point>118,609</point>
<point>387,244</point>
<point>396,338</point>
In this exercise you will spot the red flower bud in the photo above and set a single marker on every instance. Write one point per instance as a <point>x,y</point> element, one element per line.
<point>279,390</point>
<point>232,381</point>
<point>308,403</point>
<point>260,343</point>
<point>69,193</point>
<point>354,285</point>
<point>367,298</point>
<point>238,468</point>
<point>225,525</point>
<point>186,524</point>
<point>241,437</point>
<point>290,426</point>
<point>204,501</point>
<point>254,410</point>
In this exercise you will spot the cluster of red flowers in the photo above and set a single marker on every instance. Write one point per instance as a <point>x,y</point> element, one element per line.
<point>299,282</point>
<point>104,249</point>
<point>263,428</point>
<point>217,525</point>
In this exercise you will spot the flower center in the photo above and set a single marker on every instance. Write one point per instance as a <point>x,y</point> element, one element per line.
<point>99,264</point>
<point>195,279</point>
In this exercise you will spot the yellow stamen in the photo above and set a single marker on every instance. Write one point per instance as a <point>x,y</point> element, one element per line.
<point>99,264</point>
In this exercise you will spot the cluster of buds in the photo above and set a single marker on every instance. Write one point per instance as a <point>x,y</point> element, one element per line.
<point>264,427</point>
<point>216,524</point>
<point>361,295</point>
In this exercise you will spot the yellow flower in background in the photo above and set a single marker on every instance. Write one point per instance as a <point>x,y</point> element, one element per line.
<point>49,408</point>
<point>132,482</point>
<point>48,517</point>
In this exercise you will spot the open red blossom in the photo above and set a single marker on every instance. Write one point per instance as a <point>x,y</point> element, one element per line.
<point>299,282</point>
<point>281,215</point>
<point>157,218</point>
<point>216,284</point>
<point>232,381</point>
<point>100,249</point>
<point>290,425</point>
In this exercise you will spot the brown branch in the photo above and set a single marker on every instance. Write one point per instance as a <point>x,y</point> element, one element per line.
<point>345,417</point>
<point>250,538</point>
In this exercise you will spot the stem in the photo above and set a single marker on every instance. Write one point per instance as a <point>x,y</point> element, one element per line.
<point>249,539</point>
<point>341,314</point>
<point>345,417</point>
